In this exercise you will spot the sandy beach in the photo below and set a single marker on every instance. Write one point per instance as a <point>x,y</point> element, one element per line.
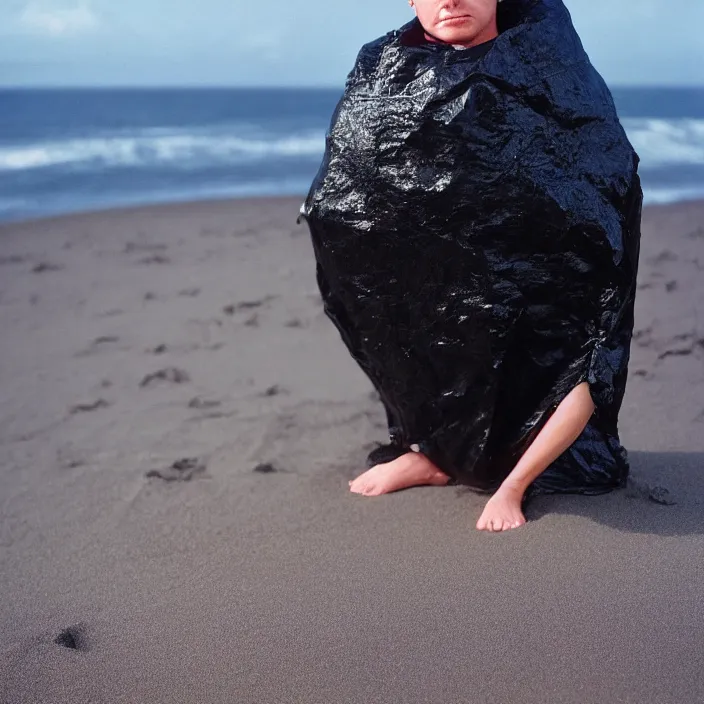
<point>178,424</point>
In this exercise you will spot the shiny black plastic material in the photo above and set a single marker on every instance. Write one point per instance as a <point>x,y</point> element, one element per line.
<point>476,228</point>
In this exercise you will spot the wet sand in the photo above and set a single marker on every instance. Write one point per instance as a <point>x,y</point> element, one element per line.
<point>178,423</point>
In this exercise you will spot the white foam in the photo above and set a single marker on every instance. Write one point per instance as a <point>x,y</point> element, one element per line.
<point>664,142</point>
<point>158,148</point>
<point>656,196</point>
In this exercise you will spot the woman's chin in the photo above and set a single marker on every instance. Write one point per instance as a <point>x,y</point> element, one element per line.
<point>456,36</point>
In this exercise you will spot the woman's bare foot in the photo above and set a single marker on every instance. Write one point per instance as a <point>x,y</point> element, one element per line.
<point>503,510</point>
<point>411,469</point>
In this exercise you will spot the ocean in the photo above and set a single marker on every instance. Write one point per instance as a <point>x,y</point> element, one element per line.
<point>68,150</point>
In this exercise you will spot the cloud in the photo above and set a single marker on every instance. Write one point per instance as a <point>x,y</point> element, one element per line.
<point>56,22</point>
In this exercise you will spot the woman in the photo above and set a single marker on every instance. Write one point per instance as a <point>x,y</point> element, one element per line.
<point>476,225</point>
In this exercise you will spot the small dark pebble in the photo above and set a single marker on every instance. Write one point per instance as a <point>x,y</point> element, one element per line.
<point>159,349</point>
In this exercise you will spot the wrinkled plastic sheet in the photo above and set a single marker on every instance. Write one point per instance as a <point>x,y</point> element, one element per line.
<point>476,229</point>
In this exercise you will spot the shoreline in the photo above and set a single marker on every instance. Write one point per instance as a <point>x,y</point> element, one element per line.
<point>136,209</point>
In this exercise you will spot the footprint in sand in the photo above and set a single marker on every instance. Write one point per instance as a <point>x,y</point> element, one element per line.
<point>267,468</point>
<point>154,259</point>
<point>643,337</point>
<point>111,313</point>
<point>143,247</point>
<point>644,373</point>
<point>46,266</point>
<point>233,308</point>
<point>13,259</point>
<point>73,638</point>
<point>170,374</point>
<point>85,407</point>
<point>666,255</point>
<point>182,470</point>
<point>99,343</point>
<point>201,403</point>
<point>274,390</point>
<point>638,489</point>
<point>695,345</point>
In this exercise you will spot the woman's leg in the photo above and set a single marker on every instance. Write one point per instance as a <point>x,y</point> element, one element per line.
<point>503,510</point>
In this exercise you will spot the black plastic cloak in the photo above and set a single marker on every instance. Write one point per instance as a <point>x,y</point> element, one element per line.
<point>476,228</point>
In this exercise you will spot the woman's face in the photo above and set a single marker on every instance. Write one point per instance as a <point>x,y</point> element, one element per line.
<point>458,21</point>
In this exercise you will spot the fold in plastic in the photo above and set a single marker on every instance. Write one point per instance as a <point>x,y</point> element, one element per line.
<point>476,229</point>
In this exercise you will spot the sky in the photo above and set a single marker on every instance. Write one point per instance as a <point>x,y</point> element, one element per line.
<point>297,42</point>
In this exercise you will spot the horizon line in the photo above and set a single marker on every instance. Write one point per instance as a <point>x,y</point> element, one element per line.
<point>224,86</point>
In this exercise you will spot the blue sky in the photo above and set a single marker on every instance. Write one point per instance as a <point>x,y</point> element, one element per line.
<point>297,42</point>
